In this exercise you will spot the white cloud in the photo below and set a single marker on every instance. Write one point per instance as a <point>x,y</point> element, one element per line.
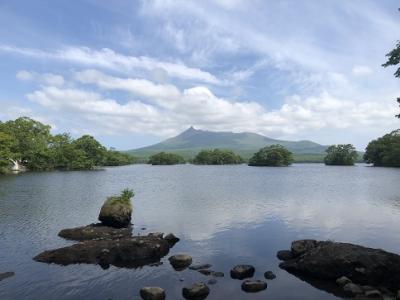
<point>362,70</point>
<point>108,59</point>
<point>46,78</point>
<point>167,110</point>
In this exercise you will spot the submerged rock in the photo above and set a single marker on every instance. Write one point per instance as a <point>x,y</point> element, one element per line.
<point>197,291</point>
<point>200,267</point>
<point>343,281</point>
<point>116,213</point>
<point>242,271</point>
<point>331,260</point>
<point>211,273</point>
<point>269,275</point>
<point>352,289</point>
<point>95,232</point>
<point>180,261</point>
<point>129,252</point>
<point>6,275</point>
<point>152,293</point>
<point>253,286</point>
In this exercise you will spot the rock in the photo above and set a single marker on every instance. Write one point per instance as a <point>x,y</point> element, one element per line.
<point>212,281</point>
<point>130,252</point>
<point>253,286</point>
<point>95,232</point>
<point>152,293</point>
<point>342,281</point>
<point>331,260</point>
<point>180,261</point>
<point>218,274</point>
<point>197,291</point>
<point>6,275</point>
<point>352,289</point>
<point>242,271</point>
<point>200,267</point>
<point>284,255</point>
<point>373,294</point>
<point>302,246</point>
<point>205,272</point>
<point>172,239</point>
<point>116,213</point>
<point>156,234</point>
<point>269,275</point>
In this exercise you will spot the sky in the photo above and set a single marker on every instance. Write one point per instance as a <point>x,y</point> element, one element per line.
<point>132,73</point>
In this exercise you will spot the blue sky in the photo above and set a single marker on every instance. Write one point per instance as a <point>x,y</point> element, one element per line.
<point>132,73</point>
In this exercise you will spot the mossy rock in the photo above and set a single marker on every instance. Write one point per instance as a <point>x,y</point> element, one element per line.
<point>116,212</point>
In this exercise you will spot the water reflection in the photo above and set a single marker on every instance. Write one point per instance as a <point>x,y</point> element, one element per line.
<point>225,215</point>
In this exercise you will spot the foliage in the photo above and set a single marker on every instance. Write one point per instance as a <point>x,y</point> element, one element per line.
<point>116,158</point>
<point>32,145</point>
<point>274,156</point>
<point>217,157</point>
<point>385,151</point>
<point>341,155</point>
<point>394,60</point>
<point>124,198</point>
<point>164,158</point>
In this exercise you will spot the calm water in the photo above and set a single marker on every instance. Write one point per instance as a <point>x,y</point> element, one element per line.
<point>225,215</point>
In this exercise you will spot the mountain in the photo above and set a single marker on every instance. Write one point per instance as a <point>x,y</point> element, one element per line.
<point>191,141</point>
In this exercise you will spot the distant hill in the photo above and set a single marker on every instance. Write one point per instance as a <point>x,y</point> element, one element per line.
<point>191,141</point>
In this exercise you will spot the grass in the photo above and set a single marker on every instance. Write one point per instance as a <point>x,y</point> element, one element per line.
<point>123,199</point>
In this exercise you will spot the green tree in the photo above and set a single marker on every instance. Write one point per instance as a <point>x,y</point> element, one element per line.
<point>116,158</point>
<point>164,158</point>
<point>341,155</point>
<point>274,156</point>
<point>384,151</point>
<point>95,153</point>
<point>217,157</point>
<point>31,142</point>
<point>6,144</point>
<point>393,60</point>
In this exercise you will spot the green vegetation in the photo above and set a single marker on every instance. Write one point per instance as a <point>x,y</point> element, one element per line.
<point>164,158</point>
<point>123,199</point>
<point>217,157</point>
<point>274,156</point>
<point>394,60</point>
<point>27,143</point>
<point>341,155</point>
<point>385,151</point>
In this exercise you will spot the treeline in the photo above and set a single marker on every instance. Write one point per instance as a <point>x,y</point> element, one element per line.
<point>28,144</point>
<point>384,151</point>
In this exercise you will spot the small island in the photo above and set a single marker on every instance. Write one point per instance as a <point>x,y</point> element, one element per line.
<point>384,151</point>
<point>341,155</point>
<point>217,157</point>
<point>165,158</point>
<point>272,156</point>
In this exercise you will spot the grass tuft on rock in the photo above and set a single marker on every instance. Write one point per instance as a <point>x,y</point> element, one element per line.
<point>123,199</point>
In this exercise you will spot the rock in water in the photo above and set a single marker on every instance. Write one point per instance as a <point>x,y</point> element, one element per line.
<point>197,291</point>
<point>330,261</point>
<point>130,252</point>
<point>95,232</point>
<point>242,271</point>
<point>200,267</point>
<point>172,239</point>
<point>284,255</point>
<point>253,286</point>
<point>116,212</point>
<point>180,261</point>
<point>152,293</point>
<point>269,275</point>
<point>6,275</point>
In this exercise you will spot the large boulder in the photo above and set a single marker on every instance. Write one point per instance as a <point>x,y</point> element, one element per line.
<point>116,212</point>
<point>180,261</point>
<point>242,271</point>
<point>253,286</point>
<point>128,252</point>
<point>331,260</point>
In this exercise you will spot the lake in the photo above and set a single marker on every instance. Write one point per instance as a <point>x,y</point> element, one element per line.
<point>224,215</point>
